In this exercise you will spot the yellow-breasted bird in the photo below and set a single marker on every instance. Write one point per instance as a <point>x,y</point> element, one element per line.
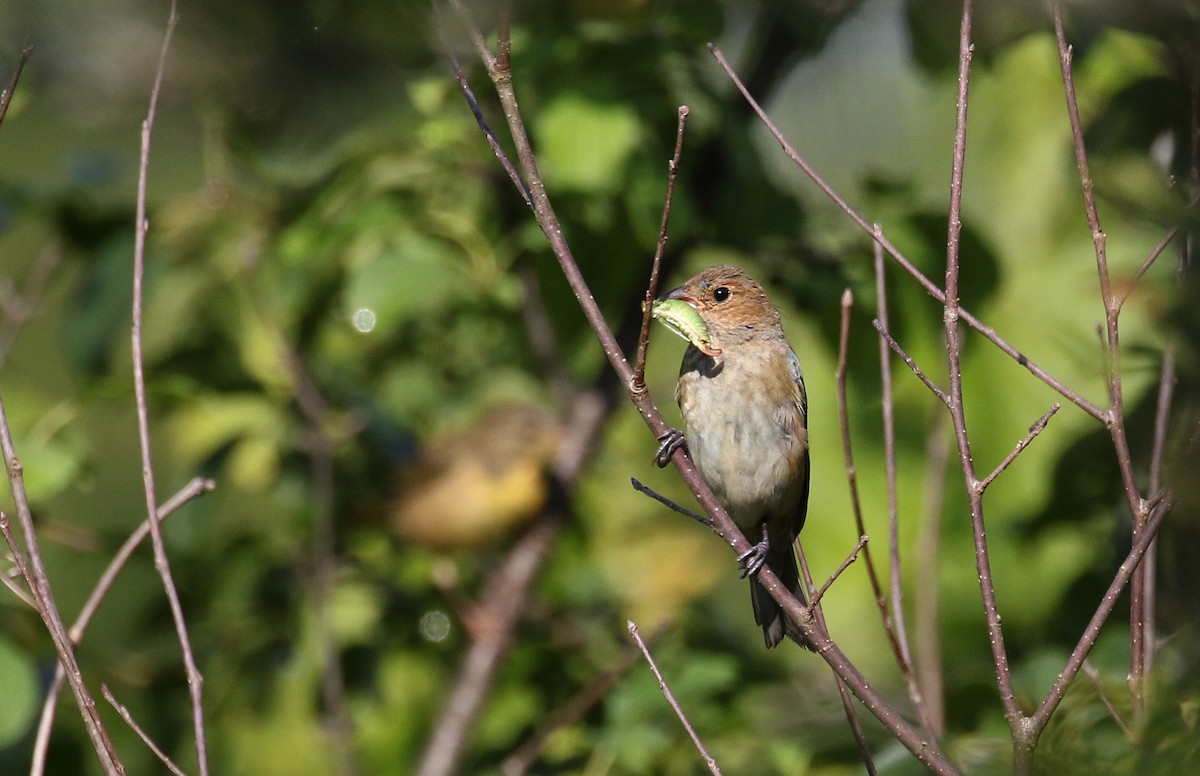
<point>741,392</point>
<point>472,487</point>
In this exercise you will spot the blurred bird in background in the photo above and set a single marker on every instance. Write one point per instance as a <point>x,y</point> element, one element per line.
<point>743,401</point>
<point>475,486</point>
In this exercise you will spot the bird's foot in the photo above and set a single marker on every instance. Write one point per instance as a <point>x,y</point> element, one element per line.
<point>668,443</point>
<point>753,559</point>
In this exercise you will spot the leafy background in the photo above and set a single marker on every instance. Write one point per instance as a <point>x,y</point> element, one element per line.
<point>319,188</point>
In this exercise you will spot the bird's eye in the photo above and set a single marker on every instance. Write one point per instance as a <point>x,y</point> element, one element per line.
<point>721,294</point>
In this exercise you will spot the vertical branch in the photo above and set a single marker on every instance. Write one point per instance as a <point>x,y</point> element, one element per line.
<point>927,595</point>
<point>1023,745</point>
<point>899,626</point>
<point>638,384</point>
<point>1148,570</point>
<point>814,598</point>
<point>852,471</point>
<point>161,562</point>
<point>1115,417</point>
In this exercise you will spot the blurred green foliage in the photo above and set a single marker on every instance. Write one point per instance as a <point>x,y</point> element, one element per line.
<point>326,217</point>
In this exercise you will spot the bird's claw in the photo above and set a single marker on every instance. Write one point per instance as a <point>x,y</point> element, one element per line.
<point>668,444</point>
<point>753,559</point>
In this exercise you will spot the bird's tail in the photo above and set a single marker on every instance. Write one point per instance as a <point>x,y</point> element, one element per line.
<point>768,613</point>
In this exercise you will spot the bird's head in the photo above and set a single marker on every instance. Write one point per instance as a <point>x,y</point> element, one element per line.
<point>732,306</point>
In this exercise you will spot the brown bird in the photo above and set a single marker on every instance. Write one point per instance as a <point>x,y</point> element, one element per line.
<point>479,484</point>
<point>741,392</point>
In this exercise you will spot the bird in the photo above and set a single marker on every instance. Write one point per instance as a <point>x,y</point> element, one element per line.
<point>745,409</point>
<point>478,485</point>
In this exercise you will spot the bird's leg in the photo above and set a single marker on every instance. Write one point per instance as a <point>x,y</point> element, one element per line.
<point>753,559</point>
<point>668,444</point>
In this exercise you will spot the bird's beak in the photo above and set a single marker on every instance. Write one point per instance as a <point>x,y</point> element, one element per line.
<point>678,294</point>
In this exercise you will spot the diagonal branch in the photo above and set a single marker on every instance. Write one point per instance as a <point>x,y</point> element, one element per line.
<point>930,287</point>
<point>666,691</point>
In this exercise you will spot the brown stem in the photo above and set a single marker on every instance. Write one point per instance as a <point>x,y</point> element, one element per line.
<point>1115,417</point>
<point>927,593</point>
<point>639,371</point>
<point>932,289</point>
<point>814,606</point>
<point>161,562</point>
<point>136,728</point>
<point>950,318</point>
<point>1038,426</point>
<point>1037,722</point>
<point>41,742</point>
<point>899,621</point>
<point>852,471</point>
<point>7,95</point>
<point>666,691</point>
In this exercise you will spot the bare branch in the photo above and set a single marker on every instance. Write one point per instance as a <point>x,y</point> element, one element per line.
<point>639,371</point>
<point>161,562</point>
<point>852,471</point>
<point>891,343</point>
<point>7,95</point>
<point>1037,428</point>
<point>1124,572</point>
<point>41,742</point>
<point>125,715</point>
<point>937,293</point>
<point>666,691</point>
<point>853,556</point>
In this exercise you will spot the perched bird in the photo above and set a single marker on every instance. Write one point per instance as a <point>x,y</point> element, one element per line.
<point>473,487</point>
<point>743,401</point>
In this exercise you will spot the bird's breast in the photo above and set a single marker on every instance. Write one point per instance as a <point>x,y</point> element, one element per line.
<point>745,433</point>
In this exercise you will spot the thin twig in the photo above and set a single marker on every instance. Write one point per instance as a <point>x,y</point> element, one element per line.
<point>1115,713</point>
<point>639,370</point>
<point>926,587</point>
<point>1125,571</point>
<point>852,471</point>
<point>896,586</point>
<point>34,571</point>
<point>912,364</point>
<point>660,498</point>
<point>666,691</point>
<point>7,95</point>
<point>1115,417</point>
<point>950,316</point>
<point>161,562</point>
<point>1037,428</point>
<point>1149,567</point>
<point>929,286</point>
<point>477,112</point>
<point>856,728</point>
<point>21,306</point>
<point>125,715</point>
<point>853,556</point>
<point>41,741</point>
